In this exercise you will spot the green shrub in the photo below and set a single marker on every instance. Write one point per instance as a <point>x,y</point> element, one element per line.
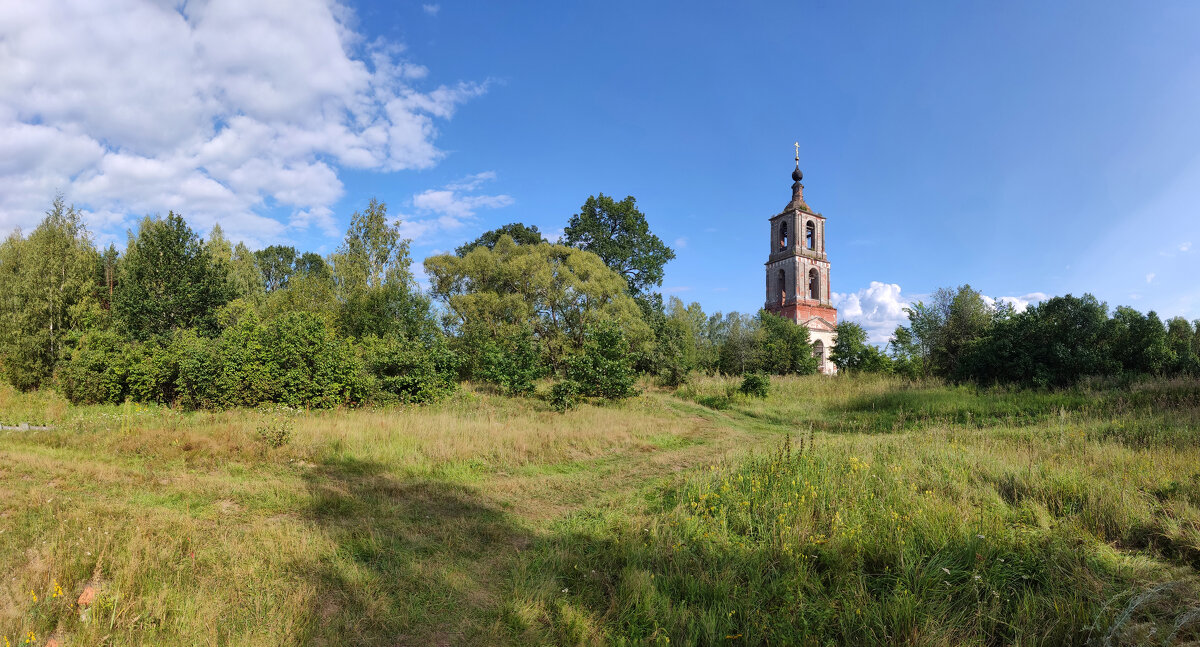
<point>312,366</point>
<point>755,385</point>
<point>513,364</point>
<point>563,395</point>
<point>95,372</point>
<point>245,378</point>
<point>197,366</point>
<point>410,371</point>
<point>604,367</point>
<point>276,428</point>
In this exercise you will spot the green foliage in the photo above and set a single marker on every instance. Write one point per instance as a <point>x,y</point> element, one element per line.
<point>275,429</point>
<point>197,363</point>
<point>410,371</point>
<point>905,354</point>
<point>519,232</point>
<point>48,295</point>
<point>514,363</point>
<point>563,395</point>
<point>310,364</point>
<point>1063,340</point>
<point>1184,342</point>
<point>1055,343</point>
<point>674,351</point>
<point>1139,342</point>
<point>168,281</point>
<point>277,264</point>
<point>312,291</point>
<point>755,385</point>
<point>553,290</point>
<point>373,275</point>
<point>700,348</point>
<point>97,369</point>
<point>782,346</point>
<point>851,352</point>
<point>604,366</point>
<point>944,328</point>
<point>619,234</point>
<point>236,263</point>
<point>737,340</point>
<point>295,360</point>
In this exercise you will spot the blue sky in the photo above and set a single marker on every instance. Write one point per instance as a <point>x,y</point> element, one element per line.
<point>1027,149</point>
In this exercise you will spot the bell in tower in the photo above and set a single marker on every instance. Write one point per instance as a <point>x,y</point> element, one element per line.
<point>798,272</point>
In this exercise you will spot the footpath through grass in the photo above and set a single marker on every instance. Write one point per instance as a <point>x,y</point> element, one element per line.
<point>891,514</point>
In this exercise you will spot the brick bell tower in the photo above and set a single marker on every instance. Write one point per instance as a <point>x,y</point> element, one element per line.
<point>798,272</point>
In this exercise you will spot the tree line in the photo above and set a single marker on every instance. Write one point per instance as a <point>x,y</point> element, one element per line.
<point>959,335</point>
<point>200,322</point>
<point>197,322</point>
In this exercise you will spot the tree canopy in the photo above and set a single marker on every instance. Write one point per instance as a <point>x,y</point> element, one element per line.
<point>556,291</point>
<point>168,281</point>
<point>521,234</point>
<point>618,233</point>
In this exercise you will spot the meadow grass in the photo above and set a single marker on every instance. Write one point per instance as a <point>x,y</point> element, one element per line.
<point>835,511</point>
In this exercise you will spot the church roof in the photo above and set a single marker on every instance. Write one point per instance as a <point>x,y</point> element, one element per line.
<point>818,323</point>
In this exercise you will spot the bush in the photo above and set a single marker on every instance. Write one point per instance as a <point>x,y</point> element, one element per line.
<point>276,428</point>
<point>312,366</point>
<point>197,366</point>
<point>563,395</point>
<point>514,365</point>
<point>604,367</point>
<point>755,385</point>
<point>409,371</point>
<point>95,372</point>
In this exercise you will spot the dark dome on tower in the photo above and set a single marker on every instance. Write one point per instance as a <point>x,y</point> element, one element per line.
<point>797,175</point>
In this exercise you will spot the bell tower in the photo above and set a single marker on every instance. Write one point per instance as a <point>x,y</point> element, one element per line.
<point>798,272</point>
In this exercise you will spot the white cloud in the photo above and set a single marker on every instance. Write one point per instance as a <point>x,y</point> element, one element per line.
<point>431,9</point>
<point>215,108</point>
<point>677,289</point>
<point>680,243</point>
<point>449,207</point>
<point>878,308</point>
<point>1185,247</point>
<point>1150,277</point>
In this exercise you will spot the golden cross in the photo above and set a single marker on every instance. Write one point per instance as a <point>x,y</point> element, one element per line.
<point>797,144</point>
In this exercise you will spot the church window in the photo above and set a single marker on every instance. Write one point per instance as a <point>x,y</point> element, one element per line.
<point>782,287</point>
<point>783,235</point>
<point>810,235</point>
<point>814,284</point>
<point>819,353</point>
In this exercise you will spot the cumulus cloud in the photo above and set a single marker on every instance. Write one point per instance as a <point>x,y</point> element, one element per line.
<point>431,9</point>
<point>1150,277</point>
<point>220,109</point>
<point>450,207</point>
<point>1185,247</point>
<point>878,308</point>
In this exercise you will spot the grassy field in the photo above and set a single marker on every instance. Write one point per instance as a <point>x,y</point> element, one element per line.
<point>835,511</point>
